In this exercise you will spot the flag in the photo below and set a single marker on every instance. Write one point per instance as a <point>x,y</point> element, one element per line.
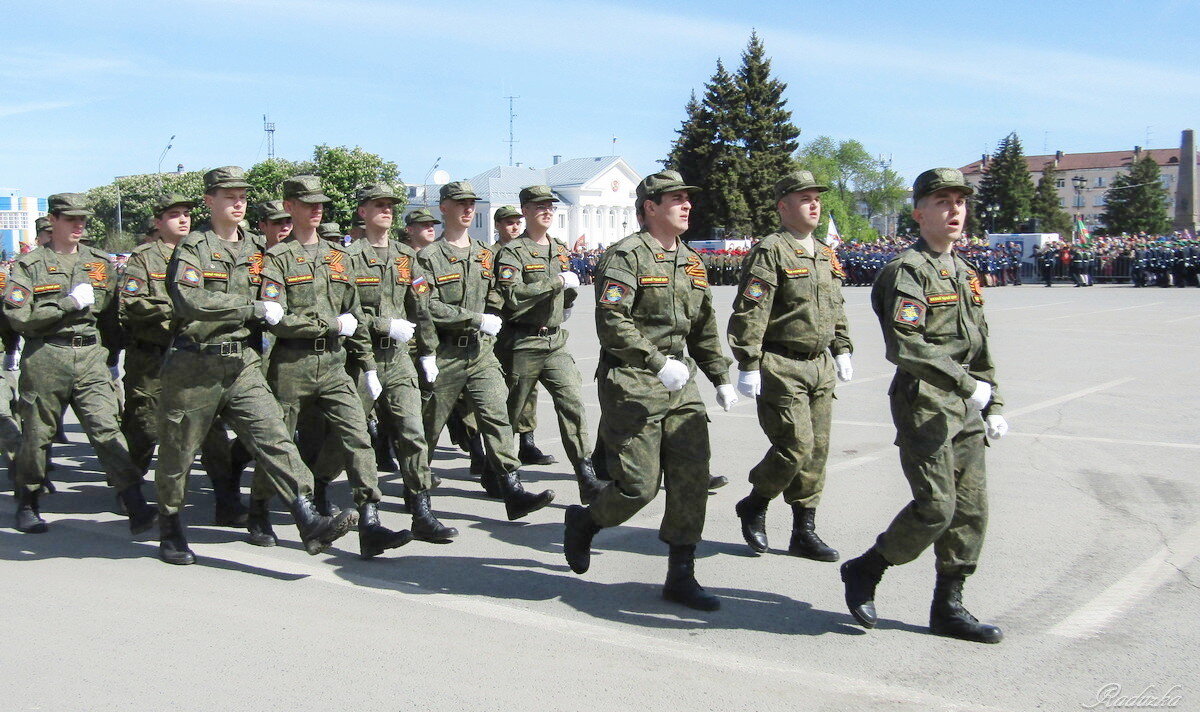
<point>1081,231</point>
<point>833,238</point>
<point>580,244</point>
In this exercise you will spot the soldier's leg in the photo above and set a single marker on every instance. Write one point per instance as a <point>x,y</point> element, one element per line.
<point>10,432</point>
<point>957,549</point>
<point>45,387</point>
<point>526,420</point>
<point>931,479</point>
<point>632,430</point>
<point>443,397</point>
<point>805,489</point>
<point>783,414</point>
<point>685,463</point>
<point>139,419</point>
<point>188,408</point>
<point>561,378</point>
<point>95,402</point>
<point>259,420</point>
<point>488,395</point>
<point>337,398</point>
<point>401,399</point>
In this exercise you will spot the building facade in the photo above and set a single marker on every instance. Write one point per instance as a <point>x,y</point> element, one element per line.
<point>17,215</point>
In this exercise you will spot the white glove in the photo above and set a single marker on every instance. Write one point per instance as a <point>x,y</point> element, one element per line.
<point>749,383</point>
<point>115,373</point>
<point>997,426</point>
<point>374,387</point>
<point>272,312</point>
<point>566,314</point>
<point>83,294</point>
<point>981,397</point>
<point>674,375</point>
<point>401,329</point>
<point>570,280</point>
<point>429,366</point>
<point>490,324</point>
<point>346,324</point>
<point>726,396</point>
<point>845,370</point>
<point>12,361</point>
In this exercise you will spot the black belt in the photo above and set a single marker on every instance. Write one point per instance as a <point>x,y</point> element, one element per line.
<point>320,345</point>
<point>781,350</point>
<point>531,330</point>
<point>220,348</point>
<point>72,341</point>
<point>612,361</point>
<point>460,339</point>
<point>384,342</point>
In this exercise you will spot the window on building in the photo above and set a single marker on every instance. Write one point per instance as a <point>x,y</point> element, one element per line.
<point>1099,181</point>
<point>1166,180</point>
<point>1060,182</point>
<point>1062,202</point>
<point>478,219</point>
<point>1099,201</point>
<point>1078,201</point>
<point>612,219</point>
<point>562,221</point>
<point>587,219</point>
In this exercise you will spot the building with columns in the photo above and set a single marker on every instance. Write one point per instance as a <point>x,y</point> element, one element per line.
<point>596,197</point>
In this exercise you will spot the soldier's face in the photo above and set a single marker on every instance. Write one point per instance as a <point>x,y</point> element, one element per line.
<point>174,222</point>
<point>801,211</point>
<point>67,228</point>
<point>422,232</point>
<point>378,213</point>
<point>227,203</point>
<point>509,228</point>
<point>275,231</point>
<point>942,215</point>
<point>303,213</point>
<point>539,213</point>
<point>457,212</point>
<point>43,237</point>
<point>669,215</point>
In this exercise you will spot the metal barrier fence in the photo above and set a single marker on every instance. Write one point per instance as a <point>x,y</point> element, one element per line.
<point>1107,270</point>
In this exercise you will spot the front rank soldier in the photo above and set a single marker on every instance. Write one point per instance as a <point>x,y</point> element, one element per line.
<point>464,305</point>
<point>214,370</point>
<point>538,287</point>
<point>653,303</point>
<point>52,299</point>
<point>313,281</point>
<point>789,335</point>
<point>930,305</point>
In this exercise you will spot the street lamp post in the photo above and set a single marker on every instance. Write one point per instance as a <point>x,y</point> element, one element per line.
<point>1079,183</point>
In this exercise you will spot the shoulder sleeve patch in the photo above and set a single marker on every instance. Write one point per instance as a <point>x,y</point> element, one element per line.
<point>17,295</point>
<point>271,290</point>
<point>755,289</point>
<point>190,275</point>
<point>507,273</point>
<point>421,286</point>
<point>910,312</point>
<point>132,285</point>
<point>613,293</point>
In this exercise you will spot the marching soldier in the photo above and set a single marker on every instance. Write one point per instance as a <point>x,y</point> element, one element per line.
<point>274,222</point>
<point>653,303</point>
<point>53,298</point>
<point>789,335</point>
<point>930,306</point>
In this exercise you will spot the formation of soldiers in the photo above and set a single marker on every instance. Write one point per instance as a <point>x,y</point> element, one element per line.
<point>1146,261</point>
<point>998,265</point>
<point>323,358</point>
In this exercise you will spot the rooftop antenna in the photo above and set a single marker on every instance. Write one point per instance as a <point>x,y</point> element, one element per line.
<point>269,127</point>
<point>511,138</point>
<point>1149,135</point>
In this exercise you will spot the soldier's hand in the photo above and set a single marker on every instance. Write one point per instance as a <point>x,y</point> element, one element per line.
<point>567,313</point>
<point>115,373</point>
<point>401,330</point>
<point>374,387</point>
<point>272,312</point>
<point>750,383</point>
<point>12,360</point>
<point>726,397</point>
<point>490,324</point>
<point>429,367</point>
<point>570,280</point>
<point>845,369</point>
<point>981,397</point>
<point>674,375</point>
<point>346,324</point>
<point>997,426</point>
<point>84,295</point>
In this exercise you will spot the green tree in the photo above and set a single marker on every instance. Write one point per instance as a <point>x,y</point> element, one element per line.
<point>137,195</point>
<point>1044,206</point>
<point>1008,185</point>
<point>343,170</point>
<point>266,177</point>
<point>1137,201</point>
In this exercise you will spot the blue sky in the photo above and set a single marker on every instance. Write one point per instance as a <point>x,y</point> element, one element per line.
<point>95,89</point>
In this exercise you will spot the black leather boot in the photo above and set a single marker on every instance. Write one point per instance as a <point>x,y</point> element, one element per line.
<point>805,542</point>
<point>717,482</point>
<point>229,510</point>
<point>321,498</point>
<point>681,585</point>
<point>577,538</point>
<point>316,531</point>
<point>29,517</point>
<point>141,514</point>
<point>948,617</point>
<point>600,461</point>
<point>491,483</point>
<point>479,463</point>
<point>861,576</point>
<point>382,445</point>
<point>529,454</point>
<point>753,512</point>
<point>373,537</point>
<point>172,545</point>
<point>590,486</point>
<point>425,526</point>
<point>517,501</point>
<point>258,523</point>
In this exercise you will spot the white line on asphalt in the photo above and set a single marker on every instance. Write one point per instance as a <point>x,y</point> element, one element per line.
<point>1031,306</point>
<point>1093,616</point>
<point>1112,441</point>
<point>1068,397</point>
<point>1104,311</point>
<point>1176,321</point>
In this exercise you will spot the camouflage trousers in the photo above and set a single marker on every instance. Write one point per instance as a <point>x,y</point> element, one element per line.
<point>10,431</point>
<point>545,359</point>
<point>651,434</point>
<point>53,377</point>
<point>942,454</point>
<point>795,411</point>
<point>526,420</point>
<point>200,388</point>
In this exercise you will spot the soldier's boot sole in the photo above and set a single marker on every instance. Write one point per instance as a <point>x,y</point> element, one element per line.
<point>30,522</point>
<point>859,594</point>
<point>578,532</point>
<point>171,554</point>
<point>524,503</point>
<point>692,595</point>
<point>321,540</point>
<point>373,542</point>
<point>811,547</point>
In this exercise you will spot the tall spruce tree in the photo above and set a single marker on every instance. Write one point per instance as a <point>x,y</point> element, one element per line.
<point>1008,185</point>
<point>1049,214</point>
<point>1137,201</point>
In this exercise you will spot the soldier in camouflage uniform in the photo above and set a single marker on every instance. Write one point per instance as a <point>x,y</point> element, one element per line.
<point>464,306</point>
<point>53,297</point>
<point>274,223</point>
<point>652,303</point>
<point>145,312</point>
<point>930,305</point>
<point>313,281</point>
<point>539,288</point>
<point>214,370</point>
<point>789,335</point>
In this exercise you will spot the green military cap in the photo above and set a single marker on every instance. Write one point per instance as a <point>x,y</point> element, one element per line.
<point>69,204</point>
<point>420,215</point>
<point>936,179</point>
<point>375,191</point>
<point>225,177</point>
<point>42,223</point>
<point>329,231</point>
<point>169,201</point>
<point>306,189</point>
<point>661,182</point>
<point>272,210</point>
<point>458,190</point>
<point>537,194</point>
<point>508,211</point>
<point>797,181</point>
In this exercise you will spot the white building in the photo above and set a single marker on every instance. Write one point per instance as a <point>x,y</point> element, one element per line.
<point>596,198</point>
<point>17,215</point>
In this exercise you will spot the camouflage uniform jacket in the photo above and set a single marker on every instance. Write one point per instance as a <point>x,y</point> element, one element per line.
<point>527,278</point>
<point>36,299</point>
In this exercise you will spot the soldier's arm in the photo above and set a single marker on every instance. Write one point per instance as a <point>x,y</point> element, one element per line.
<point>519,297</point>
<point>296,323</point>
<point>137,304</point>
<point>358,344</point>
<point>27,317</point>
<point>373,314</point>
<point>752,309</point>
<point>416,306</point>
<point>984,369</point>
<point>704,343</point>
<point>841,325</point>
<point>616,293</point>
<point>192,302</point>
<point>444,315</point>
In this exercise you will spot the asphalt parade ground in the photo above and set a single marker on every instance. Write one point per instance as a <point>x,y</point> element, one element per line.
<point>1090,566</point>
